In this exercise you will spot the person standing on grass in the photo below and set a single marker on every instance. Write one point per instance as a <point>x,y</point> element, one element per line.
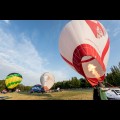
<point>98,92</point>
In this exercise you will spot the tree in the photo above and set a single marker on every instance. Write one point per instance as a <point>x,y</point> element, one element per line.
<point>114,76</point>
<point>82,82</point>
<point>2,85</point>
<point>75,82</point>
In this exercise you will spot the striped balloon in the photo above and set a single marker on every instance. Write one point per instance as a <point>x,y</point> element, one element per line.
<point>13,80</point>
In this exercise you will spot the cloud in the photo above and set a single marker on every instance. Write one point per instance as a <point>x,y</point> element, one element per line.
<point>7,21</point>
<point>116,31</point>
<point>20,55</point>
<point>113,27</point>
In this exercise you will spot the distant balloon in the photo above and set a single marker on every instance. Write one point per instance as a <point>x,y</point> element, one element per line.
<point>47,81</point>
<point>85,46</point>
<point>36,88</point>
<point>13,80</point>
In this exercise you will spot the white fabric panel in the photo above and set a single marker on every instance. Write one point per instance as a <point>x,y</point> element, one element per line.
<point>86,58</point>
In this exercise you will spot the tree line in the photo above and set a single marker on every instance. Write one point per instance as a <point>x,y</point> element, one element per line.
<point>113,78</point>
<point>22,87</point>
<point>73,83</point>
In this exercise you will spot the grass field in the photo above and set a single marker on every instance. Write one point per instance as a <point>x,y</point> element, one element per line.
<point>82,94</point>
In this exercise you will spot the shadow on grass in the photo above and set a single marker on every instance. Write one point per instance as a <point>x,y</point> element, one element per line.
<point>4,97</point>
<point>36,94</point>
<point>47,95</point>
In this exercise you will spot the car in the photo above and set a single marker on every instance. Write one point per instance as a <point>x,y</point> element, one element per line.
<point>113,94</point>
<point>106,93</point>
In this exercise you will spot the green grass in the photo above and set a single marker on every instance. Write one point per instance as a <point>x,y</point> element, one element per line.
<point>81,94</point>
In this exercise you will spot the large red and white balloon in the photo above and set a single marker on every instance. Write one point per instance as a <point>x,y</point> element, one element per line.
<point>85,46</point>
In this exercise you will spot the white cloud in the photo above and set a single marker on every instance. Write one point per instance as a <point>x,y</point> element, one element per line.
<point>7,21</point>
<point>116,31</point>
<point>113,27</point>
<point>20,55</point>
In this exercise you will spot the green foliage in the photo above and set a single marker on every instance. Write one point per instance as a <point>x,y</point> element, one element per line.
<point>73,83</point>
<point>82,83</point>
<point>24,88</point>
<point>114,76</point>
<point>2,85</point>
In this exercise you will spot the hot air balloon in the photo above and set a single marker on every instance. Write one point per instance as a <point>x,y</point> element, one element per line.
<point>36,88</point>
<point>13,80</point>
<point>85,46</point>
<point>47,81</point>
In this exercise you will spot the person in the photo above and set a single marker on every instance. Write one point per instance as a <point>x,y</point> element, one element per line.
<point>58,89</point>
<point>17,90</point>
<point>97,91</point>
<point>4,91</point>
<point>42,90</point>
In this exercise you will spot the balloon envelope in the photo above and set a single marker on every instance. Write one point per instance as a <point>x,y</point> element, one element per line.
<point>13,80</point>
<point>36,88</point>
<point>47,81</point>
<point>85,46</point>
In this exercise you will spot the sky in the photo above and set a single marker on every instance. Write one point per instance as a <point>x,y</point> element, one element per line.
<point>30,47</point>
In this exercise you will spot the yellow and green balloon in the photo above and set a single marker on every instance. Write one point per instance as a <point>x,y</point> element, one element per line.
<point>13,80</point>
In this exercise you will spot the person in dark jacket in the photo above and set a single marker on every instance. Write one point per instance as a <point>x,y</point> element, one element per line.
<point>96,91</point>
